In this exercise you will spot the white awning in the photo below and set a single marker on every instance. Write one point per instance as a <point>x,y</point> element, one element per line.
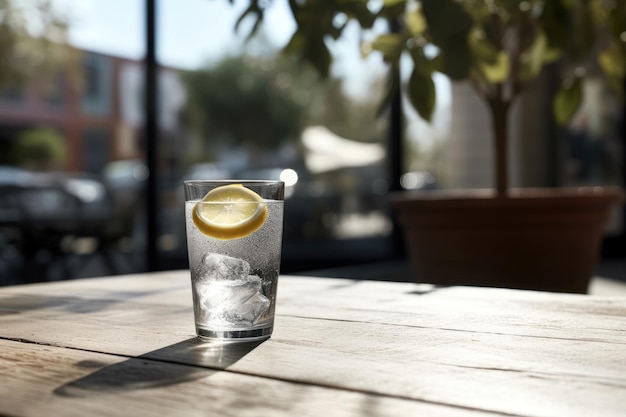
<point>326,151</point>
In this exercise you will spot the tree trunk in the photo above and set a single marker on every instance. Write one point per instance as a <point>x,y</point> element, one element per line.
<point>499,115</point>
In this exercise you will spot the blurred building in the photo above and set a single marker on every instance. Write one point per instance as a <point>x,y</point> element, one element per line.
<point>99,111</point>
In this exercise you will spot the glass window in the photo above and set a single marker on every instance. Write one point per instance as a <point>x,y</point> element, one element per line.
<point>243,110</point>
<point>55,92</point>
<point>97,85</point>
<point>232,107</point>
<point>96,149</point>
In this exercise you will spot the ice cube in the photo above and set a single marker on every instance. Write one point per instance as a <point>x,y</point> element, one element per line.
<point>224,294</point>
<point>233,302</point>
<point>221,267</point>
<point>249,312</point>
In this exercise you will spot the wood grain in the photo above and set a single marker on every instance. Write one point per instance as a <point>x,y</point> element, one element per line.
<point>44,380</point>
<point>500,351</point>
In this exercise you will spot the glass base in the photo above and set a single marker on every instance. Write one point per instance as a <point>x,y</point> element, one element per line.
<point>235,335</point>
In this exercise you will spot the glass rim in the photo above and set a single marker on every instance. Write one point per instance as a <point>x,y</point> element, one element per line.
<point>233,181</point>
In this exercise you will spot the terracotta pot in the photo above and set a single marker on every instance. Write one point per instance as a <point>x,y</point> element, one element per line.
<point>540,239</point>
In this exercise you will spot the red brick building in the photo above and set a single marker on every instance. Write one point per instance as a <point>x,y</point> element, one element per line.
<point>99,113</point>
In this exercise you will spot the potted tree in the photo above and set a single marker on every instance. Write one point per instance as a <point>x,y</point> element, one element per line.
<point>545,239</point>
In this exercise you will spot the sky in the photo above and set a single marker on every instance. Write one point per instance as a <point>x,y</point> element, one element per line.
<point>189,31</point>
<point>192,33</point>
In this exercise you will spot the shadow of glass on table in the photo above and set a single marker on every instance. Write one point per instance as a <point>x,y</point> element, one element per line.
<point>185,361</point>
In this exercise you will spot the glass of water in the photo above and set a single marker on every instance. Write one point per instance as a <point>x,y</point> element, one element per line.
<point>234,239</point>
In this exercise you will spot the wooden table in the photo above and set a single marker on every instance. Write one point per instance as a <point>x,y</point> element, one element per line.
<point>125,346</point>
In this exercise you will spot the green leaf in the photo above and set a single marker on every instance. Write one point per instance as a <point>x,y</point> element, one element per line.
<point>456,58</point>
<point>392,3</point>
<point>415,22</point>
<point>533,58</point>
<point>552,55</point>
<point>615,18</point>
<point>390,45</point>
<point>570,4</point>
<point>392,9</point>
<point>425,65</point>
<point>421,92</point>
<point>359,11</point>
<point>311,49</point>
<point>446,19</point>
<point>497,72</point>
<point>612,61</point>
<point>448,28</point>
<point>296,44</point>
<point>482,49</point>
<point>556,23</point>
<point>567,100</point>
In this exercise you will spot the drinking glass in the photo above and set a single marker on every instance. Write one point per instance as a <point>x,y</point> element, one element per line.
<point>234,238</point>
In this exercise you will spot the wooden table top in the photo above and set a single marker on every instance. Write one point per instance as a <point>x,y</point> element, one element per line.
<point>125,346</point>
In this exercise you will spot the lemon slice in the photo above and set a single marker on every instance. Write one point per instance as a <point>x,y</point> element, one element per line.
<point>229,212</point>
